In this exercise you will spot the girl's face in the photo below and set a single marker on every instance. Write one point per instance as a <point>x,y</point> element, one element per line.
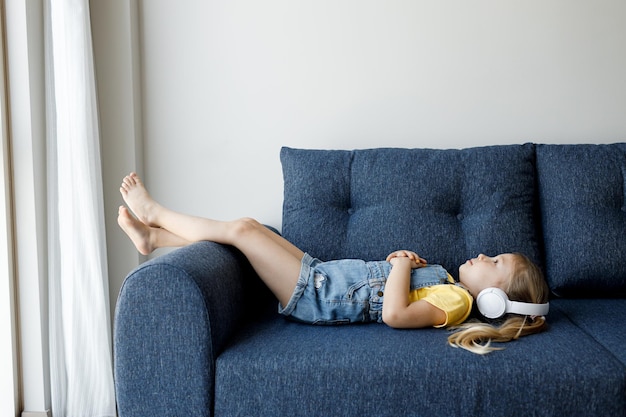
<point>485,272</point>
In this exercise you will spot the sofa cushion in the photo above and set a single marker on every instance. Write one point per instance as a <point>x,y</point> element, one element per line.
<point>447,205</point>
<point>582,198</point>
<point>600,319</point>
<point>281,368</point>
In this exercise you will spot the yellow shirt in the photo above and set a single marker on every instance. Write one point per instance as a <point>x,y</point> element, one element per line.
<point>455,301</point>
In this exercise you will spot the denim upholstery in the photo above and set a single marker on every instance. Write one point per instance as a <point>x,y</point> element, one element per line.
<point>447,205</point>
<point>600,319</point>
<point>197,334</point>
<point>175,314</point>
<point>359,370</point>
<point>583,202</point>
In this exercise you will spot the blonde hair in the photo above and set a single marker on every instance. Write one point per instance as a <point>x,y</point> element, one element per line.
<point>526,284</point>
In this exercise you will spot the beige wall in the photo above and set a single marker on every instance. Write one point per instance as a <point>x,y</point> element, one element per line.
<point>199,96</point>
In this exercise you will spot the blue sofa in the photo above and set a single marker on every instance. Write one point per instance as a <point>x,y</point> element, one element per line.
<point>197,333</point>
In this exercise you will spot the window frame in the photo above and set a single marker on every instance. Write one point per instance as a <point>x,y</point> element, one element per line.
<point>10,392</point>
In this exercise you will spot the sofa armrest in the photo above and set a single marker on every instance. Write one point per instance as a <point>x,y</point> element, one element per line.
<point>174,314</point>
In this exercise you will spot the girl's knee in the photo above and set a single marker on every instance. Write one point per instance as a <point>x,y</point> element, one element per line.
<point>250,222</point>
<point>245,226</point>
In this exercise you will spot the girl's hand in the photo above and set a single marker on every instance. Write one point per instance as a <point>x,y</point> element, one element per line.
<point>416,260</point>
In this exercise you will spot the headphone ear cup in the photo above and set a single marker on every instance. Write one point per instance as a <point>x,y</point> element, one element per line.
<point>492,302</point>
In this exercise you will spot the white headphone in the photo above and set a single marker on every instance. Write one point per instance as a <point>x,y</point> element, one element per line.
<point>494,303</point>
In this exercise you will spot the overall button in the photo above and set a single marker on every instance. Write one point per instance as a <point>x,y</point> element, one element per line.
<point>380,293</point>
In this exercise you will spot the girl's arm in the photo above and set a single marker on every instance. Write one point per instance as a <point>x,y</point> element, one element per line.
<point>397,311</point>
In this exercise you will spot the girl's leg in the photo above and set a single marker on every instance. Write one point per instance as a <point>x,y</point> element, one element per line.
<point>274,259</point>
<point>146,238</point>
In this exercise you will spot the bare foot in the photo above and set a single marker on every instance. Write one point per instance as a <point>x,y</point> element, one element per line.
<point>138,232</point>
<point>138,199</point>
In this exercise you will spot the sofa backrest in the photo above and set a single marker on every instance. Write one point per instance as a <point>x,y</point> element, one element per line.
<point>582,194</point>
<point>447,205</point>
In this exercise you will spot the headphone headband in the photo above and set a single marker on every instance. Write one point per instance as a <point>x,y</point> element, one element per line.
<point>494,303</point>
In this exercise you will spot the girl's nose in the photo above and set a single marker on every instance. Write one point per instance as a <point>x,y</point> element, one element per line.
<point>482,257</point>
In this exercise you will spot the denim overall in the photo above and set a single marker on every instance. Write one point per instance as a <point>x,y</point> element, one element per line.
<point>349,290</point>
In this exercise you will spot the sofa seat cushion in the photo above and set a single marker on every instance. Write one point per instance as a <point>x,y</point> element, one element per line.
<point>582,190</point>
<point>447,205</point>
<point>280,368</point>
<point>601,319</point>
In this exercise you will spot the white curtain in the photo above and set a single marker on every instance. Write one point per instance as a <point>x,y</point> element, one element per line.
<point>80,336</point>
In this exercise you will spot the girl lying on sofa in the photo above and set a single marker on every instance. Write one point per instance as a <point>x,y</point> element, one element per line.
<point>403,291</point>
